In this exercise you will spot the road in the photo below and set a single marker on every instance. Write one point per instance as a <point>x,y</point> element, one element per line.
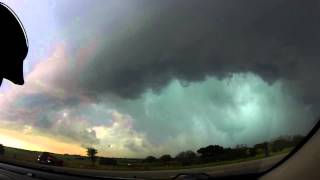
<point>237,168</point>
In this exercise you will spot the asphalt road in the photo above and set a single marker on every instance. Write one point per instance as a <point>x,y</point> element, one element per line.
<point>231,169</point>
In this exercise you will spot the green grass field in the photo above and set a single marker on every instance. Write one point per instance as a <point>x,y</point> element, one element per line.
<point>29,158</point>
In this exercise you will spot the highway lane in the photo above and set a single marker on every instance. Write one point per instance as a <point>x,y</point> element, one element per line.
<point>230,169</point>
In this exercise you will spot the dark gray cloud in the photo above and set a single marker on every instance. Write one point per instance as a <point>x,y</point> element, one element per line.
<point>158,41</point>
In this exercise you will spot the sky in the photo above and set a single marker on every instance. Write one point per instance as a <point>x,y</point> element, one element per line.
<point>138,78</point>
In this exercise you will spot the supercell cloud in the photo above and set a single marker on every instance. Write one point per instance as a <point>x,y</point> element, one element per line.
<point>150,43</point>
<point>151,77</point>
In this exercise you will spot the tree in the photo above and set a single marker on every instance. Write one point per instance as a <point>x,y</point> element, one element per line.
<point>252,152</point>
<point>91,152</point>
<point>259,146</point>
<point>150,159</point>
<point>1,149</point>
<point>266,149</point>
<point>297,139</point>
<point>280,144</point>
<point>186,157</point>
<point>210,151</point>
<point>165,158</point>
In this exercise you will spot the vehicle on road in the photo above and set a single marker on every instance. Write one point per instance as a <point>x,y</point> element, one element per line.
<point>49,159</point>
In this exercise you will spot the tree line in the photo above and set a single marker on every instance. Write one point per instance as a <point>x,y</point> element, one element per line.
<point>215,153</point>
<point>211,153</point>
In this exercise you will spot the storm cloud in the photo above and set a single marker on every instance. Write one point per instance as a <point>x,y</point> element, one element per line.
<point>154,77</point>
<point>155,42</point>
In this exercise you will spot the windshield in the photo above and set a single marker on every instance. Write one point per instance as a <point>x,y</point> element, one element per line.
<point>136,86</point>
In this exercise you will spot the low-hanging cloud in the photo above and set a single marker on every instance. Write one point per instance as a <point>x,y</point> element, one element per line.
<point>242,108</point>
<point>155,42</point>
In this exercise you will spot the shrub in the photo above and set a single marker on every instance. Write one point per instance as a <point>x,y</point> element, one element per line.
<point>186,157</point>
<point>1,149</point>
<point>150,159</point>
<point>165,158</point>
<point>107,161</point>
